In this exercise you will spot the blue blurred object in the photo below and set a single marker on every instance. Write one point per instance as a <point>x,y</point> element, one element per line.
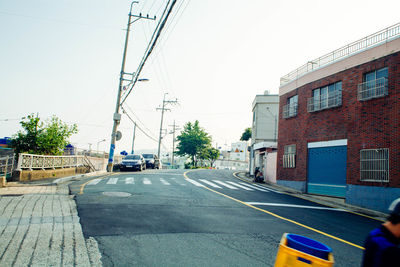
<point>309,246</point>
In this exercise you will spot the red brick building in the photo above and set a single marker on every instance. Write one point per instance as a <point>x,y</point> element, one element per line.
<point>340,120</point>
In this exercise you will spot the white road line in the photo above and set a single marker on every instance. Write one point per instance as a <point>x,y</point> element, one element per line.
<point>93,182</point>
<point>146,181</point>
<point>164,182</point>
<point>112,181</point>
<point>254,187</point>
<point>291,206</point>
<point>240,186</point>
<point>129,180</point>
<point>269,189</point>
<point>210,183</point>
<point>195,183</point>
<point>225,184</point>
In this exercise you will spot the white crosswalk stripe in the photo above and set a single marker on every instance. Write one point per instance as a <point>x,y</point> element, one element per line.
<point>225,184</point>
<point>129,180</point>
<point>254,187</point>
<point>94,182</point>
<point>269,189</point>
<point>240,186</point>
<point>146,181</point>
<point>195,183</point>
<point>164,182</point>
<point>210,183</point>
<point>112,181</point>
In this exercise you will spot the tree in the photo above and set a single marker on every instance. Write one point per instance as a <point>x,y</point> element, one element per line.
<point>44,139</point>
<point>246,135</point>
<point>192,140</point>
<point>209,153</point>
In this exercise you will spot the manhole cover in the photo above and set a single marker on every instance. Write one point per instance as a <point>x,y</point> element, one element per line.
<point>117,194</point>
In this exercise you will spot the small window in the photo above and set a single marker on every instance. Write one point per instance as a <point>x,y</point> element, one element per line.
<point>374,165</point>
<point>325,97</point>
<point>374,85</point>
<point>289,156</point>
<point>290,109</point>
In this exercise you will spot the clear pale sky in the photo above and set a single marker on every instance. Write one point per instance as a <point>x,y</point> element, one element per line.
<point>63,58</point>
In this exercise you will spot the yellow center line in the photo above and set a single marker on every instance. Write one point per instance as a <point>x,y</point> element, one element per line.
<point>280,217</point>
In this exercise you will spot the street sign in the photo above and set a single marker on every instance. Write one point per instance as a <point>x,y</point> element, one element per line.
<point>118,136</point>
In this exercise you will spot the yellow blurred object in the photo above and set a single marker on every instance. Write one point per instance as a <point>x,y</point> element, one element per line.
<point>289,257</point>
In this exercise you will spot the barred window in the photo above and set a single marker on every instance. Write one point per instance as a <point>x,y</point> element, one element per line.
<point>290,109</point>
<point>374,165</point>
<point>289,156</point>
<point>325,97</point>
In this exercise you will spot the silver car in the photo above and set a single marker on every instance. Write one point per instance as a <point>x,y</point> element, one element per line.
<point>133,162</point>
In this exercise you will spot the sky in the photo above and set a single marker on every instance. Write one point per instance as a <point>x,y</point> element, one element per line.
<point>64,57</point>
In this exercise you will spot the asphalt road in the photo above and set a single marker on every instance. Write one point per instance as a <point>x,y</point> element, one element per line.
<point>205,218</point>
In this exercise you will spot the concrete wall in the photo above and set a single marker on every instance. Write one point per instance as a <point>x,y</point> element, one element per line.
<point>270,167</point>
<point>372,197</point>
<point>25,175</point>
<point>263,128</point>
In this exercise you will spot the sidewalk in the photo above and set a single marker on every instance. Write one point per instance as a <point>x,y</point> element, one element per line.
<point>39,226</point>
<point>323,200</point>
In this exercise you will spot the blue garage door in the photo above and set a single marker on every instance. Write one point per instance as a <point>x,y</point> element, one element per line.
<point>327,171</point>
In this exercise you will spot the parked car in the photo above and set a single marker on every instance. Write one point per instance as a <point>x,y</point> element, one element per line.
<point>133,162</point>
<point>152,161</point>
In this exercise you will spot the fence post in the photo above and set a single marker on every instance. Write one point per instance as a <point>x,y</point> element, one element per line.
<point>5,171</point>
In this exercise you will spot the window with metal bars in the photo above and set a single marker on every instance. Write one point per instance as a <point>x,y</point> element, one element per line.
<point>289,156</point>
<point>374,165</point>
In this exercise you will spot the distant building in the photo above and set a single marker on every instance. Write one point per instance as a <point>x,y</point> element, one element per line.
<point>339,123</point>
<point>264,128</point>
<point>239,151</point>
<point>234,159</point>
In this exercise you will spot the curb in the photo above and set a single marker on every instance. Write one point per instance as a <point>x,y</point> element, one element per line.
<point>323,200</point>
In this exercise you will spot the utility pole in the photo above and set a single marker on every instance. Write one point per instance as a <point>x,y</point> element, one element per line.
<point>117,115</point>
<point>174,128</point>
<point>133,139</point>
<point>165,103</point>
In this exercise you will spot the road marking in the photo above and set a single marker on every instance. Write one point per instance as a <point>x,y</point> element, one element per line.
<point>254,187</point>
<point>240,186</point>
<point>84,184</point>
<point>129,180</point>
<point>164,182</point>
<point>293,206</point>
<point>210,183</point>
<point>112,181</point>
<point>225,184</point>
<point>278,216</point>
<point>194,182</point>
<point>265,188</point>
<point>94,182</point>
<point>146,181</point>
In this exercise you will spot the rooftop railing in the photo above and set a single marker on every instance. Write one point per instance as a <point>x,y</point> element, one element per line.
<point>382,36</point>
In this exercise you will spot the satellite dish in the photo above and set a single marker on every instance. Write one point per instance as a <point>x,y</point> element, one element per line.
<point>118,136</point>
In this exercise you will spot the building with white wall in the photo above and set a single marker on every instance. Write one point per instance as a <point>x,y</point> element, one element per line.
<point>264,128</point>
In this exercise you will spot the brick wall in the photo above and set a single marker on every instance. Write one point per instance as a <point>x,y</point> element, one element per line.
<point>365,124</point>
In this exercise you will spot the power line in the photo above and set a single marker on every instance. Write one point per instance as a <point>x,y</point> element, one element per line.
<point>126,113</point>
<point>157,34</point>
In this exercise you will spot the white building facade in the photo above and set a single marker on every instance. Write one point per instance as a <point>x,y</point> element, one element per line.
<point>264,129</point>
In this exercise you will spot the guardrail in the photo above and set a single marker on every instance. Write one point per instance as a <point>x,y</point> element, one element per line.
<point>32,162</point>
<point>382,36</point>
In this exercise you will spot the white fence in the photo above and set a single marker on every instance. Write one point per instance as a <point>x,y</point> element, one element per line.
<point>32,162</point>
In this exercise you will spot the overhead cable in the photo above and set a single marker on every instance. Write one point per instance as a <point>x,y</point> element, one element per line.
<point>151,46</point>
